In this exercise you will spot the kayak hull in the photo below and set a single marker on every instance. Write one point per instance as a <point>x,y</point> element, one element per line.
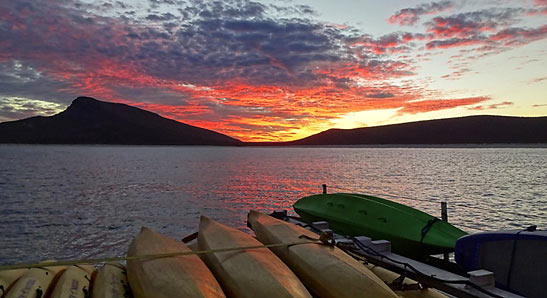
<point>411,232</point>
<point>172,277</point>
<point>34,282</point>
<point>8,278</point>
<point>321,268</point>
<point>247,273</point>
<point>110,282</point>
<point>74,282</point>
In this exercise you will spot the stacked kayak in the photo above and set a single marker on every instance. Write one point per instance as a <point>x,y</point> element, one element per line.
<point>246,273</point>
<point>8,277</point>
<point>326,271</point>
<point>412,233</point>
<point>74,282</point>
<point>111,282</point>
<point>230,263</point>
<point>253,272</point>
<point>34,282</point>
<point>170,277</point>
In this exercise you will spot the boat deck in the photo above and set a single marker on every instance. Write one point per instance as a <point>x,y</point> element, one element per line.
<point>478,283</point>
<point>379,253</point>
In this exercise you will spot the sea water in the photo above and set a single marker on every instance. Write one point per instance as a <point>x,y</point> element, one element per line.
<point>66,202</point>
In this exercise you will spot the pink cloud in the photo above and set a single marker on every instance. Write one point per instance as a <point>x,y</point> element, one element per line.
<point>537,80</point>
<point>520,36</point>
<point>535,12</point>
<point>422,106</point>
<point>390,43</point>
<point>492,106</point>
<point>454,27</point>
<point>454,42</point>
<point>456,74</point>
<point>410,16</point>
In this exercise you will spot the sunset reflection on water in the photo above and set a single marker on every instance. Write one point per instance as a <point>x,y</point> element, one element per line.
<point>89,201</point>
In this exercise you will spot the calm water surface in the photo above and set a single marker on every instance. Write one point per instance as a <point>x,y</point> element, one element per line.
<point>89,201</point>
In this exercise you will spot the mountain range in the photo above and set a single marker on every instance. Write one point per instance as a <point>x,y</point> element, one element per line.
<point>461,130</point>
<point>90,121</point>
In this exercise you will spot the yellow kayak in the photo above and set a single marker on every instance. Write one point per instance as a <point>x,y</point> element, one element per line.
<point>110,282</point>
<point>326,271</point>
<point>34,282</point>
<point>8,277</point>
<point>390,276</point>
<point>246,273</point>
<point>74,282</point>
<point>173,277</point>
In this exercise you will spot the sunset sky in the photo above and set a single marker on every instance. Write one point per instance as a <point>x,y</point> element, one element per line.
<point>276,70</point>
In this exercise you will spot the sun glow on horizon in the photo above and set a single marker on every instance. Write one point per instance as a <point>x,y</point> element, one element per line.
<point>274,70</point>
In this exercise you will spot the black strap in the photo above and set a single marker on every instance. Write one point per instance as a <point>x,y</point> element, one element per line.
<point>513,252</point>
<point>190,237</point>
<point>427,227</point>
<point>87,294</point>
<point>127,290</point>
<point>399,285</point>
<point>323,239</point>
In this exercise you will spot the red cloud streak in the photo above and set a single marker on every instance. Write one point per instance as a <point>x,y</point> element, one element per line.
<point>422,106</point>
<point>492,106</point>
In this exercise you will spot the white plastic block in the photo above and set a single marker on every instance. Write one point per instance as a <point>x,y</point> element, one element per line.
<point>482,278</point>
<point>381,245</point>
<point>321,225</point>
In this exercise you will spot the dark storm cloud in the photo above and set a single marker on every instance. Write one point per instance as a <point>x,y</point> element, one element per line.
<point>217,45</point>
<point>226,9</point>
<point>221,41</point>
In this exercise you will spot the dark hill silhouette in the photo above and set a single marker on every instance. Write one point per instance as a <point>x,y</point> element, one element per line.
<point>464,130</point>
<point>90,121</point>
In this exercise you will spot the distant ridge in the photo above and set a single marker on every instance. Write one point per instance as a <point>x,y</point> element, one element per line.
<point>463,130</point>
<point>90,121</point>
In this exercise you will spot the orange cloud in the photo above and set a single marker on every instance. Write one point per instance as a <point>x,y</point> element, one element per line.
<point>423,106</point>
<point>492,106</point>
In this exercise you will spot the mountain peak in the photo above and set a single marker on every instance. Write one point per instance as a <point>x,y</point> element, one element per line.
<point>91,121</point>
<point>84,103</point>
<point>84,99</point>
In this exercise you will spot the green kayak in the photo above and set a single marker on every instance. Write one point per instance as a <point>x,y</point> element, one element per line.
<point>412,233</point>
